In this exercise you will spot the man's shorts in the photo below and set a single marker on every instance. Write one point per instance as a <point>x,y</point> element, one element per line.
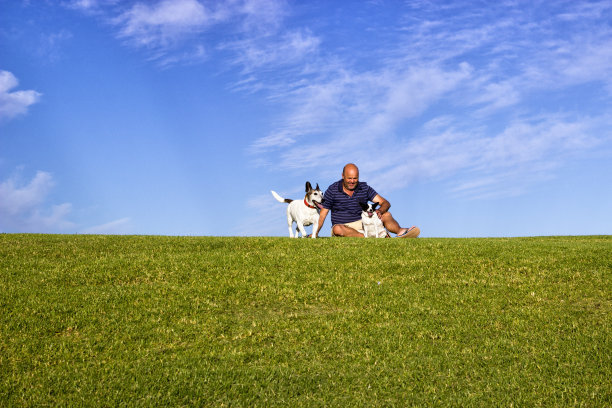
<point>356,225</point>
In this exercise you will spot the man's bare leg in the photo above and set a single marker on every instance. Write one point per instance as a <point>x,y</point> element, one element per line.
<point>340,230</point>
<point>391,225</point>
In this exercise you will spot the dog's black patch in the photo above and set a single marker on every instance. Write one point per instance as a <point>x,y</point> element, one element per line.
<point>369,208</point>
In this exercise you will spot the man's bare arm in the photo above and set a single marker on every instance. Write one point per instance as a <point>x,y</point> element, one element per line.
<point>384,205</point>
<point>322,216</point>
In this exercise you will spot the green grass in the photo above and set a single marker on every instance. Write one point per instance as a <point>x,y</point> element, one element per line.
<point>182,321</point>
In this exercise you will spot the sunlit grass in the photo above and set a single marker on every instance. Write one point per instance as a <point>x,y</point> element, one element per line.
<point>167,321</point>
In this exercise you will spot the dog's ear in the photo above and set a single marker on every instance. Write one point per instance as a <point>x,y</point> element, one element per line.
<point>374,206</point>
<point>363,205</point>
<point>308,186</point>
<point>317,187</point>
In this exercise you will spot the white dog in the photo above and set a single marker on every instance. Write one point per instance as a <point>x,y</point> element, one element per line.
<point>303,212</point>
<point>372,225</point>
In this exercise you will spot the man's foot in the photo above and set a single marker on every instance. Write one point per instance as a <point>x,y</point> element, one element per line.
<point>411,232</point>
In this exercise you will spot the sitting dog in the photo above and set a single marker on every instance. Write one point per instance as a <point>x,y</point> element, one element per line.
<point>372,225</point>
<point>303,212</point>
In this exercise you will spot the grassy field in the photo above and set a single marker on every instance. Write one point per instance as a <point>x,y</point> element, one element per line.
<point>211,321</point>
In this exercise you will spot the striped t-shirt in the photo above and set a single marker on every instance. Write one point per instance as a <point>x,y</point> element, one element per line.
<point>344,208</point>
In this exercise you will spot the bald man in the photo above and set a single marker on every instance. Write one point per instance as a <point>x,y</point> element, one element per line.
<point>342,198</point>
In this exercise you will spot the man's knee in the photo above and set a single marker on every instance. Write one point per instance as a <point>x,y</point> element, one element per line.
<point>338,230</point>
<point>390,223</point>
<point>386,216</point>
<point>341,230</point>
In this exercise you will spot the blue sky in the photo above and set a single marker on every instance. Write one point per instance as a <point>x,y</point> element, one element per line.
<point>177,117</point>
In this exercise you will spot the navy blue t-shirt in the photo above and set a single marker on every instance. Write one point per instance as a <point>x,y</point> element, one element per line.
<point>344,208</point>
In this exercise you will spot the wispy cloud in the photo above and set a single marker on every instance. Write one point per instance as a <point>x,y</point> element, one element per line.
<point>357,107</point>
<point>89,6</point>
<point>491,64</point>
<point>248,33</point>
<point>23,207</point>
<point>188,31</point>
<point>120,226</point>
<point>82,4</point>
<point>258,53</point>
<point>507,72</point>
<point>163,23</point>
<point>265,207</point>
<point>14,103</point>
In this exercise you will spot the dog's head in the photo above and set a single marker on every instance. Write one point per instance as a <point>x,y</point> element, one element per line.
<point>314,195</point>
<point>368,208</point>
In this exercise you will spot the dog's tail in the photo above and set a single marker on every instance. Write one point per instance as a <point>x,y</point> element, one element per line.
<point>279,198</point>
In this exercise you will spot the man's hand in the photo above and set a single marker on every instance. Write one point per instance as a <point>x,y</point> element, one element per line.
<point>384,205</point>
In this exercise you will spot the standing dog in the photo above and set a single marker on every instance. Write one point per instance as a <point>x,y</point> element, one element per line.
<point>303,213</point>
<point>372,225</point>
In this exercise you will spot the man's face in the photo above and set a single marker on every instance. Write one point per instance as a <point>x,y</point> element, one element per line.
<point>350,178</point>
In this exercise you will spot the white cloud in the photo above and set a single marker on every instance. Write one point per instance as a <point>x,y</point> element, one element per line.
<point>90,7</point>
<point>589,62</point>
<point>23,206</point>
<point>497,95</point>
<point>120,226</point>
<point>50,45</point>
<point>504,184</point>
<point>50,220</point>
<point>161,24</point>
<point>265,207</point>
<point>490,64</point>
<point>83,4</point>
<point>259,17</point>
<point>581,10</point>
<point>526,151</point>
<point>17,200</point>
<point>449,88</point>
<point>14,103</point>
<point>288,49</point>
<point>350,111</point>
<point>178,31</point>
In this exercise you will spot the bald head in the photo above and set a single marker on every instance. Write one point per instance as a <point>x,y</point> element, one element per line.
<point>350,176</point>
<point>350,167</point>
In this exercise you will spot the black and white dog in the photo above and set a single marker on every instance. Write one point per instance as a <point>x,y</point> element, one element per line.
<point>303,212</point>
<point>372,225</point>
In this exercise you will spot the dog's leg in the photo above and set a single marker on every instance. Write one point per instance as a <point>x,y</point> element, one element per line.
<point>300,226</point>
<point>366,230</point>
<point>290,223</point>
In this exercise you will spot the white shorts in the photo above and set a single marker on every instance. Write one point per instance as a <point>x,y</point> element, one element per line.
<point>356,225</point>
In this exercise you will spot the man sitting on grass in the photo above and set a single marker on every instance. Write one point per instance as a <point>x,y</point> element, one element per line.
<point>342,199</point>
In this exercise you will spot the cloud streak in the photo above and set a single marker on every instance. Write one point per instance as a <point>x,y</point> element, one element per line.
<point>491,64</point>
<point>187,31</point>
<point>507,72</point>
<point>120,226</point>
<point>23,206</point>
<point>161,24</point>
<point>13,104</point>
